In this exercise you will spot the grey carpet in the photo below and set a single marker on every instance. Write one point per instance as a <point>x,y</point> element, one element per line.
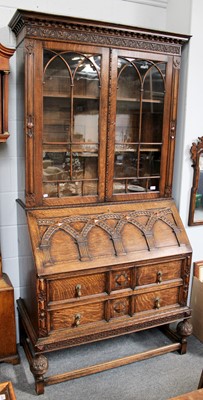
<point>157,378</point>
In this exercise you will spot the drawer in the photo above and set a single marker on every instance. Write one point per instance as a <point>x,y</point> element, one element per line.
<point>159,273</point>
<point>75,287</point>
<point>122,279</point>
<point>157,299</point>
<point>120,307</point>
<point>74,317</point>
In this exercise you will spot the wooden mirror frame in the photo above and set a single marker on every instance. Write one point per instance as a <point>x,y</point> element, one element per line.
<point>7,391</point>
<point>196,152</point>
<point>5,55</point>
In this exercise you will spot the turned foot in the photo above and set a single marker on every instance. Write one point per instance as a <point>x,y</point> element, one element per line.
<point>184,329</point>
<point>39,367</point>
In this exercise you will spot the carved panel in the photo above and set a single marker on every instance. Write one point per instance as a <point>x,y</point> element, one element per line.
<point>42,305</point>
<point>121,279</point>
<point>142,221</point>
<point>119,307</point>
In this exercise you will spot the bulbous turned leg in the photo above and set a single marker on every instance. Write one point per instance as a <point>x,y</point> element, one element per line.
<point>39,367</point>
<point>184,329</point>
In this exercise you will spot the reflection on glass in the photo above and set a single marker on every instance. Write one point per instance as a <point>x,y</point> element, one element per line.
<point>125,164</point>
<point>139,123</point>
<point>56,120</point>
<point>71,124</point>
<point>198,215</point>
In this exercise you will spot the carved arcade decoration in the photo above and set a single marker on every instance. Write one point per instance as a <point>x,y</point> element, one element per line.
<point>112,224</point>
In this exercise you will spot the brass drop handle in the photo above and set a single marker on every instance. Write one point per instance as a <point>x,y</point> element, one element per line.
<point>159,276</point>
<point>77,319</point>
<point>78,290</point>
<point>157,303</point>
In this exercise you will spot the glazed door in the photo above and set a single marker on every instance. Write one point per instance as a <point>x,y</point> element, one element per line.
<point>74,124</point>
<point>100,124</point>
<point>139,127</point>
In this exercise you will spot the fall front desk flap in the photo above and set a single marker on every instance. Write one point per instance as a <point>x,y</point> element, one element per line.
<point>70,239</point>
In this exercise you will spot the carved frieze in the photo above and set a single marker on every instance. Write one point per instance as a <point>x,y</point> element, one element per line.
<point>118,331</point>
<point>113,39</point>
<point>59,28</point>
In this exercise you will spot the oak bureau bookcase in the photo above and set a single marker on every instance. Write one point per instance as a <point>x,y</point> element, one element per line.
<point>111,255</point>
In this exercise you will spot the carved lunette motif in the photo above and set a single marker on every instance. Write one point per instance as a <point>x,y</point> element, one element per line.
<point>59,28</point>
<point>80,237</point>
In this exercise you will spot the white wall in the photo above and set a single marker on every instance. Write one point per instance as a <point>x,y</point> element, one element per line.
<point>180,16</point>
<point>190,125</point>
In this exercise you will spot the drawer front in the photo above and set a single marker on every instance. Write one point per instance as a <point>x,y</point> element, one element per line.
<point>79,286</point>
<point>73,317</point>
<point>120,307</point>
<point>157,299</point>
<point>159,273</point>
<point>122,279</point>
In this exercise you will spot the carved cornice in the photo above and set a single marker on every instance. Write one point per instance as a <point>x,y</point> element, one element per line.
<point>43,26</point>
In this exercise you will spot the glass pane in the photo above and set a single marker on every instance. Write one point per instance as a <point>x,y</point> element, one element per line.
<point>71,124</point>
<point>56,76</point>
<point>129,186</point>
<point>70,189</point>
<point>86,120</point>
<point>49,190</point>
<point>119,186</point>
<point>128,79</point>
<point>136,186</point>
<point>56,120</point>
<point>128,102</point>
<point>149,161</point>
<point>55,166</point>
<point>56,84</point>
<point>153,103</point>
<point>86,76</point>
<point>149,184</point>
<point>125,162</point>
